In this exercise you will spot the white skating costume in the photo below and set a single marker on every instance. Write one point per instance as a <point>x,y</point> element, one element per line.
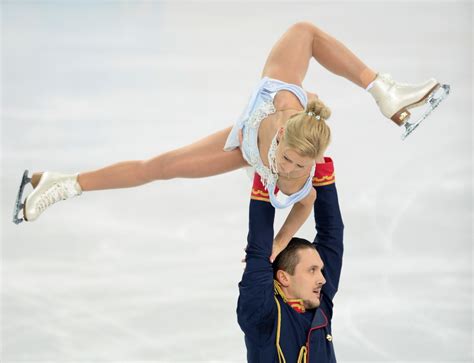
<point>260,106</point>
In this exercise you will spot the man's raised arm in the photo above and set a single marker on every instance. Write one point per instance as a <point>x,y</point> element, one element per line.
<point>256,301</point>
<point>329,225</point>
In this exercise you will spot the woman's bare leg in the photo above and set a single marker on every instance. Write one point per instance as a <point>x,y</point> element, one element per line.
<point>203,158</point>
<point>290,56</point>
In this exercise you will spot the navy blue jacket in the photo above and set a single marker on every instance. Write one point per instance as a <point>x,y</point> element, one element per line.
<point>259,313</point>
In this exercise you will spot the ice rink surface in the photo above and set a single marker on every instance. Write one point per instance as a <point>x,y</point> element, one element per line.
<point>151,273</point>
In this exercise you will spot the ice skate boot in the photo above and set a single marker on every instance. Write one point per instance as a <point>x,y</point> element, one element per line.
<point>49,188</point>
<point>394,99</point>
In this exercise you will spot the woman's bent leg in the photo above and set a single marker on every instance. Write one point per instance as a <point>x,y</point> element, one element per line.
<point>290,56</point>
<point>203,158</point>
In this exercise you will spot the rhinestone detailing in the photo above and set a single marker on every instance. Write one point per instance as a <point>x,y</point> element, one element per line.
<point>268,175</point>
<point>272,155</point>
<point>252,154</point>
<point>312,114</point>
<point>260,106</point>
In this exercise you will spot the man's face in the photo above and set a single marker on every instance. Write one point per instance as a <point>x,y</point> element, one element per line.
<point>308,279</point>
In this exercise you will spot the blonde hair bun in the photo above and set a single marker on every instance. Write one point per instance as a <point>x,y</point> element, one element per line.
<point>308,134</point>
<point>318,108</point>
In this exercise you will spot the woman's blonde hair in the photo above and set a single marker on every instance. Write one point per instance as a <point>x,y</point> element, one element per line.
<point>307,132</point>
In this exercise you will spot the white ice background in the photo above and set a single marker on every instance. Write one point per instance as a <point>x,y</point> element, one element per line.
<point>150,273</point>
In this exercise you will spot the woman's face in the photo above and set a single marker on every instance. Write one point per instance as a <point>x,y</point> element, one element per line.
<point>290,164</point>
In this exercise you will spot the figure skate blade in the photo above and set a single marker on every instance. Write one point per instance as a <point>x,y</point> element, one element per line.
<point>18,203</point>
<point>431,103</point>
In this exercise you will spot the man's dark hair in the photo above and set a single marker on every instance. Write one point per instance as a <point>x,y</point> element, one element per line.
<point>288,258</point>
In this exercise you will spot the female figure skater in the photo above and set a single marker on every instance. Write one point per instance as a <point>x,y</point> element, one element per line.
<point>282,133</point>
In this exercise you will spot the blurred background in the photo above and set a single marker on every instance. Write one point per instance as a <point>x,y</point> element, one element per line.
<point>151,273</point>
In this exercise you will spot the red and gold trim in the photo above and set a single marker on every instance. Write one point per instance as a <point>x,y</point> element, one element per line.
<point>324,174</point>
<point>259,192</point>
<point>296,304</point>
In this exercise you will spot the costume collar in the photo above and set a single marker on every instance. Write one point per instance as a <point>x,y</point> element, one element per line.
<point>296,304</point>
<point>319,320</point>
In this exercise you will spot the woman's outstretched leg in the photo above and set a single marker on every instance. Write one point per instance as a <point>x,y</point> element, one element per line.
<point>290,56</point>
<point>203,158</point>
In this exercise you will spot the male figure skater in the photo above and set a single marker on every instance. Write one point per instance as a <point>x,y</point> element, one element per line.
<point>285,309</point>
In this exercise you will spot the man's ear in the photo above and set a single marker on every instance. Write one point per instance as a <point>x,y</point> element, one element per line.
<point>283,278</point>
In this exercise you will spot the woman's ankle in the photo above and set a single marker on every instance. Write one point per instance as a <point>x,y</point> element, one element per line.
<point>366,77</point>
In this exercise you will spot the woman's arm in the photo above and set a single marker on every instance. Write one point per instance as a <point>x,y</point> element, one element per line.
<point>298,215</point>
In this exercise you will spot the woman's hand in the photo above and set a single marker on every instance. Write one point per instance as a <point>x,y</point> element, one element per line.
<point>278,246</point>
<point>298,215</point>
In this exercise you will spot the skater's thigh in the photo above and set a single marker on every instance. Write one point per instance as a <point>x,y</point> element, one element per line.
<point>202,158</point>
<point>289,58</point>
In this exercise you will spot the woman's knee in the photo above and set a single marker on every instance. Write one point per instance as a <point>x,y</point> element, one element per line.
<point>314,33</point>
<point>304,27</point>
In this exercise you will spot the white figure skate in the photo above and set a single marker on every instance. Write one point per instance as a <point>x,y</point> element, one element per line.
<point>49,188</point>
<point>394,99</point>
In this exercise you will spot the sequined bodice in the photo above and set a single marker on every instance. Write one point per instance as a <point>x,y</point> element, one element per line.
<point>251,151</point>
<point>259,107</point>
